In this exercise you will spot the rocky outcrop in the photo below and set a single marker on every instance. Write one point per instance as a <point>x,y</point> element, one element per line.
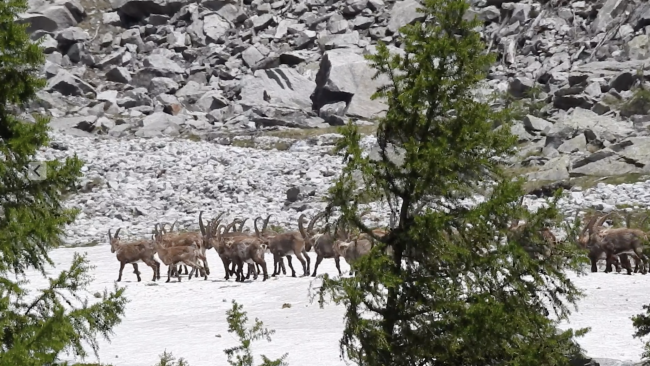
<point>208,68</point>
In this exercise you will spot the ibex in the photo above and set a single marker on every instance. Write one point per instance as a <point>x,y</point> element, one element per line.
<point>286,244</point>
<point>134,252</point>
<point>278,262</point>
<point>187,254</point>
<point>219,245</point>
<point>323,243</point>
<point>244,249</point>
<point>354,249</point>
<point>173,239</point>
<point>612,242</point>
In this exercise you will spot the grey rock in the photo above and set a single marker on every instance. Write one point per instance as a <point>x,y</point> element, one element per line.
<point>49,44</point>
<point>345,76</point>
<point>163,64</point>
<point>535,124</point>
<point>333,113</point>
<point>50,17</point>
<point>279,86</point>
<point>140,9</point>
<point>610,10</point>
<point>252,56</point>
<point>404,12</point>
<point>211,100</point>
<point>215,27</point>
<point>68,84</point>
<point>158,124</point>
<point>160,85</point>
<point>119,74</point>
<point>111,18</point>
<point>293,194</point>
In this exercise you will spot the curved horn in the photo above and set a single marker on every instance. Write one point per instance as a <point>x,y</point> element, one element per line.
<point>241,226</point>
<point>266,222</point>
<point>230,226</point>
<point>301,228</point>
<point>219,231</point>
<point>601,221</point>
<point>201,226</point>
<point>310,226</point>
<point>589,225</point>
<point>117,232</point>
<point>219,215</point>
<point>214,224</point>
<point>172,228</point>
<point>109,234</point>
<point>257,231</point>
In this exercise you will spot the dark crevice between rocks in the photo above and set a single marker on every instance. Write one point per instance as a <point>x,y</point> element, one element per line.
<point>632,162</point>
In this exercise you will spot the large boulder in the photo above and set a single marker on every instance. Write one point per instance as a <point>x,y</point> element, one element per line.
<point>280,86</point>
<point>140,9</point>
<point>52,17</point>
<point>345,76</point>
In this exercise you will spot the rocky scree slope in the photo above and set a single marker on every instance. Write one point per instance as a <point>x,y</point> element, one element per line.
<point>134,183</point>
<point>211,68</point>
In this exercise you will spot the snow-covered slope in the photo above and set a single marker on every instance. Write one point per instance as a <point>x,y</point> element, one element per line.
<point>189,318</point>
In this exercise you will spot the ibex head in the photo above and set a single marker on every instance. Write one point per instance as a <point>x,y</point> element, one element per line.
<point>114,240</point>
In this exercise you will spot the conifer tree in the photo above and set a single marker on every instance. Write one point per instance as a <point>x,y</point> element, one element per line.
<point>37,326</point>
<point>457,287</point>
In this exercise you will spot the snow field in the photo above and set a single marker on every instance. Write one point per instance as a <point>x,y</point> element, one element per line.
<point>189,318</point>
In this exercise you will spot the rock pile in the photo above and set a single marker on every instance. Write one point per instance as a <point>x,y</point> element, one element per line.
<point>206,68</point>
<point>134,183</point>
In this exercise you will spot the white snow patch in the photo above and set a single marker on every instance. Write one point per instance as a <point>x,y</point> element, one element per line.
<point>185,318</point>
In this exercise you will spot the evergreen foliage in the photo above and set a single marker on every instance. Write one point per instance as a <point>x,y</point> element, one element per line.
<point>641,324</point>
<point>168,359</point>
<point>242,355</point>
<point>458,288</point>
<point>36,327</point>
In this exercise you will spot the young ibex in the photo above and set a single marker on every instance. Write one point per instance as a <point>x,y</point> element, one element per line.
<point>188,254</point>
<point>354,249</point>
<point>174,239</point>
<point>134,252</point>
<point>286,244</point>
<point>323,242</point>
<point>165,231</point>
<point>612,242</point>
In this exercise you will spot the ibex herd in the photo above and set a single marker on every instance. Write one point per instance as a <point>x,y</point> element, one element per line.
<point>236,247</point>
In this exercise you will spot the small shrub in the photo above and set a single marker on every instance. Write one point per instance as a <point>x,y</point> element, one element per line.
<point>282,145</point>
<point>168,359</point>
<point>242,355</point>
<point>276,229</point>
<point>193,137</point>
<point>243,143</point>
<point>638,104</point>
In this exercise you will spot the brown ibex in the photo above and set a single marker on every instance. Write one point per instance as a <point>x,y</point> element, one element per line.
<point>134,252</point>
<point>286,244</point>
<point>278,262</point>
<point>187,254</point>
<point>221,249</point>
<point>323,242</point>
<point>173,239</point>
<point>354,249</point>
<point>612,242</point>
<point>244,249</point>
